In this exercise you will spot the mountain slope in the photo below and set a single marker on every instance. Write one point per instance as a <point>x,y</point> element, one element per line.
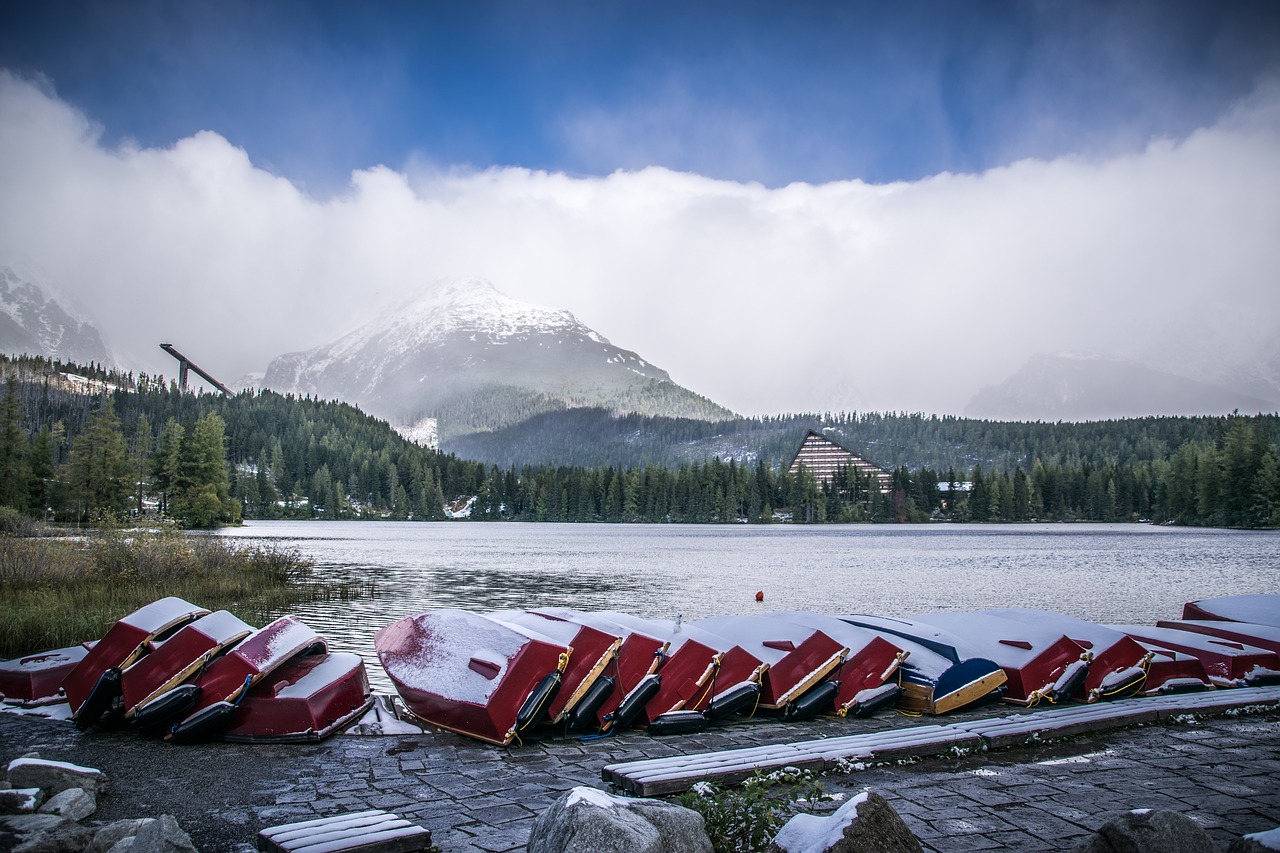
<point>33,323</point>
<point>476,360</point>
<point>1094,387</point>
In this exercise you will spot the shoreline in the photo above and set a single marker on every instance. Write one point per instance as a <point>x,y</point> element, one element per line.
<point>476,797</point>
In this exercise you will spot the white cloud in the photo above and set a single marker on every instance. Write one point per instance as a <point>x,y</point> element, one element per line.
<point>904,296</point>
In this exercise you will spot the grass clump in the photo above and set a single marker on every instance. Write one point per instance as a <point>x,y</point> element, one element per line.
<point>746,819</point>
<point>59,590</point>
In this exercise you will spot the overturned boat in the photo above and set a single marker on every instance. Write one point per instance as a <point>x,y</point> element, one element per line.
<point>34,680</point>
<point>307,699</point>
<point>471,674</point>
<point>201,709</point>
<point>631,674</point>
<point>1040,664</point>
<point>93,685</point>
<point>1263,636</point>
<point>1119,663</point>
<point>1260,609</point>
<point>934,677</point>
<point>1173,672</point>
<point>594,651</point>
<point>1228,663</point>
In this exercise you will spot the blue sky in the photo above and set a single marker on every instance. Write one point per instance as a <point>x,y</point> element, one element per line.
<point>747,91</point>
<point>956,186</point>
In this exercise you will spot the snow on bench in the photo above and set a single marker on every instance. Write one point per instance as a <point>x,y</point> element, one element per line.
<point>373,831</point>
<point>659,776</point>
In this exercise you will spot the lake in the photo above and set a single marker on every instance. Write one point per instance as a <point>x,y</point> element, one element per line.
<point>1102,572</point>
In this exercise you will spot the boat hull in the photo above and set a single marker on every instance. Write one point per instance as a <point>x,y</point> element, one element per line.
<point>1259,609</point>
<point>37,679</point>
<point>1228,663</point>
<point>179,658</point>
<point>1261,636</point>
<point>465,672</point>
<point>307,699</point>
<point>799,658</point>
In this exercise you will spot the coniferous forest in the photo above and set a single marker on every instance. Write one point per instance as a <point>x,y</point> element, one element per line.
<point>80,441</point>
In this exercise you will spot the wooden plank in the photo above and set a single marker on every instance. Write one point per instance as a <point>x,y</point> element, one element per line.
<point>373,831</point>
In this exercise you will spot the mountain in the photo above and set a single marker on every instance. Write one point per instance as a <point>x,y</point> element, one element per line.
<point>475,360</point>
<point>34,323</point>
<point>1090,387</point>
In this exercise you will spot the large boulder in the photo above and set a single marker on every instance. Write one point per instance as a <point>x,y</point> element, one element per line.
<point>586,820</point>
<point>54,777</point>
<point>73,803</point>
<point>66,836</point>
<point>108,836</point>
<point>865,824</point>
<point>1149,831</point>
<point>162,835</point>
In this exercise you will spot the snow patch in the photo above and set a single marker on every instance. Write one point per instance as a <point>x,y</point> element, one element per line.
<point>806,833</point>
<point>591,796</point>
<point>1269,839</point>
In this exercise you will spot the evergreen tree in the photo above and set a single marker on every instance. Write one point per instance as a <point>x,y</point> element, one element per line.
<point>98,471</point>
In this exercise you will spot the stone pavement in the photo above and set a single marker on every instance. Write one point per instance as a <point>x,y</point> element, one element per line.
<point>1223,772</point>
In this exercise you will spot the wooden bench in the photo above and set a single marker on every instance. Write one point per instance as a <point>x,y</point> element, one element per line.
<point>374,831</point>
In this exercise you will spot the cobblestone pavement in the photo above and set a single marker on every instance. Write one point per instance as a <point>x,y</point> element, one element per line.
<point>1223,772</point>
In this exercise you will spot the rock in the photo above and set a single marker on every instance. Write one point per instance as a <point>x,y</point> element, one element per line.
<point>1149,831</point>
<point>55,776</point>
<point>112,834</point>
<point>865,824</point>
<point>30,824</point>
<point>73,803</point>
<point>20,800</point>
<point>162,835</point>
<point>586,820</point>
<point>124,845</point>
<point>1257,842</point>
<point>67,837</point>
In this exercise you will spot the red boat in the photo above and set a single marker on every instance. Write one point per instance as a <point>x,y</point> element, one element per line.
<point>1119,665</point>
<point>1041,663</point>
<point>863,679</point>
<point>205,704</point>
<point>174,660</point>
<point>307,699</point>
<point>799,657</point>
<point>639,656</point>
<point>1258,609</point>
<point>1227,662</point>
<point>594,652</point>
<point>1262,636</point>
<point>703,672</point>
<point>472,674</point>
<point>37,679</point>
<point>96,677</point>
<point>1174,672</point>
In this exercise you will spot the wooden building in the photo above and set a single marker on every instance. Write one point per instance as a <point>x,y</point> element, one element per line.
<point>823,457</point>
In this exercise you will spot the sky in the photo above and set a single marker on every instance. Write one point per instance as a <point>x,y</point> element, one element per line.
<point>803,206</point>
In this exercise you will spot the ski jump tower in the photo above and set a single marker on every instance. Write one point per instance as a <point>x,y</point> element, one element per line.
<point>185,364</point>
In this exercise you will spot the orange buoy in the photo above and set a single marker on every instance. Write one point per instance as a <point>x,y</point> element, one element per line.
<point>760,595</point>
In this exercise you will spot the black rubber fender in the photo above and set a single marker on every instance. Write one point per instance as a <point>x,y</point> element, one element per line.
<point>635,701</point>
<point>168,706</point>
<point>818,699</point>
<point>733,700</point>
<point>204,725</point>
<point>100,699</point>
<point>583,714</point>
<point>536,703</point>
<point>678,723</point>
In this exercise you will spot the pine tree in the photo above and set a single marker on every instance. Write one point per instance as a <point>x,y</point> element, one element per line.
<point>98,472</point>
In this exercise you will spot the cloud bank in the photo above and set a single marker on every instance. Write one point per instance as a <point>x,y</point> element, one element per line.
<point>844,295</point>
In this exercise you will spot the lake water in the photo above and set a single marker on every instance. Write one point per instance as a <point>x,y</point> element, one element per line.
<point>1106,573</point>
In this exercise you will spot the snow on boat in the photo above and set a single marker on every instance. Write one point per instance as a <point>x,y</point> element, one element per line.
<point>864,677</point>
<point>1228,663</point>
<point>594,651</point>
<point>472,674</point>
<point>703,672</point>
<point>204,705</point>
<point>1041,664</point>
<point>93,683</point>
<point>1120,663</point>
<point>639,656</point>
<point>1263,636</point>
<point>37,679</point>
<point>800,658</point>
<point>308,698</point>
<point>178,658</point>
<point>1174,672</point>
<point>1258,609</point>
<point>935,678</point>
